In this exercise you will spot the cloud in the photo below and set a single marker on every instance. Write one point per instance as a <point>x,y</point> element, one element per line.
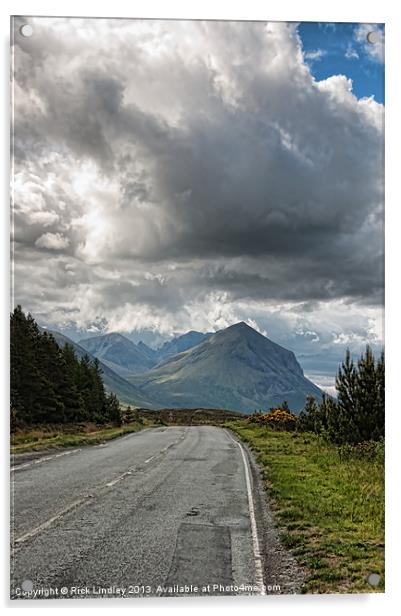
<point>375,51</point>
<point>315,55</point>
<point>44,218</point>
<point>351,53</point>
<point>178,175</point>
<point>52,241</point>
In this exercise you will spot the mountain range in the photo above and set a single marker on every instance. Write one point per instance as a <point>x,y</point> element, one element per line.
<point>120,354</point>
<point>236,368</point>
<point>126,392</point>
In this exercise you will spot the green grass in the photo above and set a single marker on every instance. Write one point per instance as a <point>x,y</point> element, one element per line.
<point>69,436</point>
<point>330,511</point>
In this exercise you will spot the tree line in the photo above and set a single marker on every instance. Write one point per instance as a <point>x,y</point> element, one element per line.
<point>50,384</point>
<point>357,414</point>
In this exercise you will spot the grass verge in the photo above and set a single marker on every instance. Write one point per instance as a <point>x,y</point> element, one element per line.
<point>68,436</point>
<point>329,511</point>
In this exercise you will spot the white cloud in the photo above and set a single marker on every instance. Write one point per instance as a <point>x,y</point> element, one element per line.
<point>374,50</point>
<point>44,219</point>
<point>52,241</point>
<point>351,53</point>
<point>314,55</point>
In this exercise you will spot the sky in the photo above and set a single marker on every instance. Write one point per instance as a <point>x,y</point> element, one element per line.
<point>173,175</point>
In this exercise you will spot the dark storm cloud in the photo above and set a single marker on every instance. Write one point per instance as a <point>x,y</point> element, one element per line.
<point>162,164</point>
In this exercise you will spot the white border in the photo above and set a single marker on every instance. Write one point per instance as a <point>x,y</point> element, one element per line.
<point>286,10</point>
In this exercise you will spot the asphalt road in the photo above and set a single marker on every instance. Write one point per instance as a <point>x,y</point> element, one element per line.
<point>151,513</point>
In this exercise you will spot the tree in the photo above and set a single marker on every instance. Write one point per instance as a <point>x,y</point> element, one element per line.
<point>344,426</point>
<point>358,413</point>
<point>370,394</point>
<point>307,420</point>
<point>73,402</point>
<point>380,396</point>
<point>33,396</point>
<point>50,384</point>
<point>113,410</point>
<point>131,415</point>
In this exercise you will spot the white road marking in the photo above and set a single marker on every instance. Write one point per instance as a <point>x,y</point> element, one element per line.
<point>50,521</point>
<point>117,479</point>
<point>113,483</point>
<point>17,467</point>
<point>60,514</point>
<point>255,540</point>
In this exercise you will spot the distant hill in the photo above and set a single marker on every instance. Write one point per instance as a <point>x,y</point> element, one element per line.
<point>180,344</point>
<point>125,391</point>
<point>191,416</point>
<point>120,354</point>
<point>127,358</point>
<point>151,354</point>
<point>236,368</point>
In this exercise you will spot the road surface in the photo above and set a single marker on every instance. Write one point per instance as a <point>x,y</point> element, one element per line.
<point>166,511</point>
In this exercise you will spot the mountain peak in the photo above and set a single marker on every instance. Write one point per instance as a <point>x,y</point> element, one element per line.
<point>239,329</point>
<point>236,368</point>
<point>241,325</point>
<point>115,336</point>
<point>110,336</point>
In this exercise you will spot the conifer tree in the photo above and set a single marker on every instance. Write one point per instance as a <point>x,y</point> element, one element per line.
<point>308,415</point>
<point>49,384</point>
<point>113,410</point>
<point>73,403</point>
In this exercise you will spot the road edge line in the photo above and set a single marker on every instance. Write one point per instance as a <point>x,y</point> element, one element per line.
<point>254,529</point>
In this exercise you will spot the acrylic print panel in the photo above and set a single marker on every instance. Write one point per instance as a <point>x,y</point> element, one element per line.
<point>197,368</point>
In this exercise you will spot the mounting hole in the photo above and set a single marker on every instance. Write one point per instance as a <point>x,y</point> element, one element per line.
<point>373,37</point>
<point>26,30</point>
<point>27,585</point>
<point>374,579</point>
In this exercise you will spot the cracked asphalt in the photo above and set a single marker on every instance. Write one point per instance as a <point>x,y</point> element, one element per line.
<point>162,512</point>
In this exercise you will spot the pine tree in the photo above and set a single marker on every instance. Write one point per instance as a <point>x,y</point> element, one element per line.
<point>86,387</point>
<point>113,410</point>
<point>73,403</point>
<point>308,416</point>
<point>366,410</point>
<point>33,398</point>
<point>48,358</point>
<point>49,384</point>
<point>130,415</point>
<point>347,400</point>
<point>99,398</point>
<point>358,414</point>
<point>332,420</point>
<point>380,397</point>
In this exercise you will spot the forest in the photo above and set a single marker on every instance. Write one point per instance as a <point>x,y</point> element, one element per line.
<point>49,384</point>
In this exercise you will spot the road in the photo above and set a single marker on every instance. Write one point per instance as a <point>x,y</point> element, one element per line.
<point>151,513</point>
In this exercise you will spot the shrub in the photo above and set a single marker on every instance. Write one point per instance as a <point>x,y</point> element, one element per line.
<point>279,419</point>
<point>366,450</point>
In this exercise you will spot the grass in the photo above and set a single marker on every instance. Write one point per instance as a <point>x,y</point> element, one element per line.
<point>53,437</point>
<point>329,510</point>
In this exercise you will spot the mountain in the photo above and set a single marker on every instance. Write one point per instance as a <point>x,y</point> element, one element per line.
<point>236,368</point>
<point>151,354</point>
<point>125,391</point>
<point>127,358</point>
<point>180,344</point>
<point>120,354</point>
